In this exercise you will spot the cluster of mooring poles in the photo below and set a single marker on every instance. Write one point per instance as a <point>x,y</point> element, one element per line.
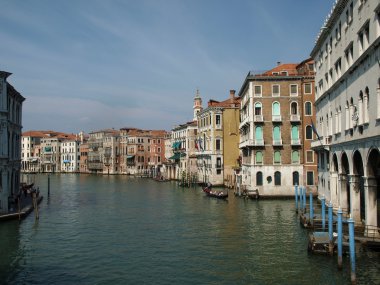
<point>322,240</point>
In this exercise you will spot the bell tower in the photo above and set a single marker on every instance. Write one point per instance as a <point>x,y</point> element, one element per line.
<point>197,105</point>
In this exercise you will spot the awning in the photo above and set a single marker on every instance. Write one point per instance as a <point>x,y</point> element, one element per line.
<point>175,156</point>
<point>130,156</point>
<point>47,148</point>
<point>183,154</point>
<point>66,161</point>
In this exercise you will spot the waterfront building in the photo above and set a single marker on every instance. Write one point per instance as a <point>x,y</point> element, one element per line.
<point>157,152</point>
<point>138,151</point>
<point>10,142</point>
<point>111,147</point>
<point>346,54</point>
<point>184,148</point>
<point>70,155</point>
<point>217,140</point>
<point>30,151</point>
<point>169,164</point>
<point>123,150</point>
<point>51,144</point>
<point>83,161</point>
<point>99,154</point>
<point>276,130</point>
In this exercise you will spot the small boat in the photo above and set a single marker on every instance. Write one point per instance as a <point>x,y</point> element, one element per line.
<point>215,194</point>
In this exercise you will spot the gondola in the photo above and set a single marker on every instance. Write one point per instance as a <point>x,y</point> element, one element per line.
<point>215,194</point>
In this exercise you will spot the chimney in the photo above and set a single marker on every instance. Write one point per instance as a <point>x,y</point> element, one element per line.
<point>278,63</point>
<point>232,94</point>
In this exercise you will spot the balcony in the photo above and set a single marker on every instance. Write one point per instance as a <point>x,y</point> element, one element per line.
<point>277,142</point>
<point>323,142</point>
<point>246,143</point>
<point>259,118</point>
<point>295,142</point>
<point>244,121</point>
<point>276,118</point>
<point>259,142</point>
<point>295,118</point>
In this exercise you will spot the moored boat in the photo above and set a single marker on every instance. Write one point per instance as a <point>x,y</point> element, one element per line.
<point>215,194</point>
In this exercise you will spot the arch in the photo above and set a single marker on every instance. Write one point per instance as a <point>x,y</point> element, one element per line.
<point>358,185</point>
<point>258,108</point>
<point>277,178</point>
<point>259,178</point>
<point>296,178</point>
<point>345,186</point>
<point>276,109</point>
<point>373,187</point>
<point>294,108</point>
<point>335,164</point>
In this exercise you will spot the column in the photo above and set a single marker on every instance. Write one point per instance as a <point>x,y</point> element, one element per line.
<point>370,194</point>
<point>354,197</point>
<point>342,191</point>
<point>334,189</point>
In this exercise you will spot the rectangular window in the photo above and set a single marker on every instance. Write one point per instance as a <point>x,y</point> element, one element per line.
<point>217,144</point>
<point>348,54</point>
<point>307,88</point>
<point>293,89</point>
<point>257,91</point>
<point>310,178</point>
<point>338,68</point>
<point>217,120</point>
<point>309,156</point>
<point>276,90</point>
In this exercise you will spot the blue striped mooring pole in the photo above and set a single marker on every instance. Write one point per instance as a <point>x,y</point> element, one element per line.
<point>296,196</point>
<point>330,213</point>
<point>300,195</point>
<point>323,200</point>
<point>304,199</point>
<point>340,237</point>
<point>311,218</point>
<point>352,249</point>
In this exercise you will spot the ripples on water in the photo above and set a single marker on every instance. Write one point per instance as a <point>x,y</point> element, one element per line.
<point>121,230</point>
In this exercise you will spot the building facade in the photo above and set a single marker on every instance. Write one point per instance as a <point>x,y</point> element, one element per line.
<point>10,142</point>
<point>276,130</point>
<point>218,140</point>
<point>347,53</point>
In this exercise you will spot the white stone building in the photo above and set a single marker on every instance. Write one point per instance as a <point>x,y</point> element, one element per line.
<point>347,57</point>
<point>70,156</point>
<point>10,142</point>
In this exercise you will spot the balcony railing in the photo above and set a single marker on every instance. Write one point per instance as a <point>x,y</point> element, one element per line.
<point>246,143</point>
<point>276,118</point>
<point>295,141</point>
<point>295,118</point>
<point>277,142</point>
<point>259,118</point>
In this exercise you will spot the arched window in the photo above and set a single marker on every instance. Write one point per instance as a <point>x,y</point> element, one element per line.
<point>259,178</point>
<point>309,133</point>
<point>277,178</point>
<point>308,109</point>
<point>259,133</point>
<point>259,157</point>
<point>258,108</point>
<point>366,105</point>
<point>276,135</point>
<point>295,132</point>
<point>294,108</point>
<point>295,156</point>
<point>276,109</point>
<point>277,157</point>
<point>360,108</point>
<point>296,178</point>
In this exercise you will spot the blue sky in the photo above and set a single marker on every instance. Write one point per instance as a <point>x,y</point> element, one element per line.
<point>88,65</point>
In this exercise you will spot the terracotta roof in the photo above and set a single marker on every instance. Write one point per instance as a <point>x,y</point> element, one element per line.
<point>226,103</point>
<point>50,134</point>
<point>290,68</point>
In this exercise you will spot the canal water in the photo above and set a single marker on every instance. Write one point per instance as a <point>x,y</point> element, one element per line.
<point>125,230</point>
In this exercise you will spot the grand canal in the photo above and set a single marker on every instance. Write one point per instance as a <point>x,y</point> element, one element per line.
<point>124,230</point>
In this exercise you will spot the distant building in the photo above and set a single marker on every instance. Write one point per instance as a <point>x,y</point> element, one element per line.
<point>276,130</point>
<point>10,142</point>
<point>70,155</point>
<point>157,152</point>
<point>30,151</point>
<point>347,53</point>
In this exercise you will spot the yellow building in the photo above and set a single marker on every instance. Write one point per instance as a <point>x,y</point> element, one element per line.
<point>218,141</point>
